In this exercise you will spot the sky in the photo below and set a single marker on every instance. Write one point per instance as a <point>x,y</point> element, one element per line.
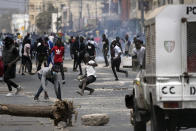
<point>12,4</point>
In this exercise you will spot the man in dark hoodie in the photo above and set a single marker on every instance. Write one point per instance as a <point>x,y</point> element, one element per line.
<point>42,53</point>
<point>75,50</point>
<point>105,49</point>
<point>10,57</point>
<point>81,53</point>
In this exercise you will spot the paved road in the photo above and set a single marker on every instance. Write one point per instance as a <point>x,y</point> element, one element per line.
<point>107,98</point>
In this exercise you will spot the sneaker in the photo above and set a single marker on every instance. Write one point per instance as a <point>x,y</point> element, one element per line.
<point>63,82</point>
<point>10,94</point>
<point>91,92</point>
<point>46,97</point>
<point>116,79</point>
<point>19,88</point>
<point>30,73</point>
<point>36,98</point>
<point>106,65</point>
<point>80,93</point>
<point>75,70</point>
<point>80,74</point>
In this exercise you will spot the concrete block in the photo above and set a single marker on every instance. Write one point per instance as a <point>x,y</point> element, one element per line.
<point>95,119</point>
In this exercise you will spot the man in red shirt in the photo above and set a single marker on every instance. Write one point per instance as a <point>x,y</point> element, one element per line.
<point>58,57</point>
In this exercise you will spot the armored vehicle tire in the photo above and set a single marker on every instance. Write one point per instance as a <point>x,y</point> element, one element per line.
<point>171,125</point>
<point>158,123</point>
<point>157,119</point>
<point>140,126</point>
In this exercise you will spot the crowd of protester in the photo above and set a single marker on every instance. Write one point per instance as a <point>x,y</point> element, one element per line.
<point>47,52</point>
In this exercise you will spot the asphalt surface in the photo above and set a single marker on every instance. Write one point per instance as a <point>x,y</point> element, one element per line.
<point>108,98</point>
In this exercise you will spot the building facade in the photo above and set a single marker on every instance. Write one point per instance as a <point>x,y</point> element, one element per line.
<point>71,13</point>
<point>149,6</point>
<point>20,23</point>
<point>35,7</point>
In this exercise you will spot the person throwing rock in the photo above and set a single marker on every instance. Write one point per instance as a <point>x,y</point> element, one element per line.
<point>89,77</point>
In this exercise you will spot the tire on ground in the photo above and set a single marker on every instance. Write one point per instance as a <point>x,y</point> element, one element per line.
<point>157,118</point>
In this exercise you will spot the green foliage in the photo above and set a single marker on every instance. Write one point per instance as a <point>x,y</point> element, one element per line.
<point>43,21</point>
<point>51,8</point>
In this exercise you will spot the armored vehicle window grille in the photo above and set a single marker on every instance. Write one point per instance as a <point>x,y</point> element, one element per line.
<point>150,49</point>
<point>191,46</point>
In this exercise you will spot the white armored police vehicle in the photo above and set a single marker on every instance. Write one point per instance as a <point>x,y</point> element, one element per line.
<point>165,92</point>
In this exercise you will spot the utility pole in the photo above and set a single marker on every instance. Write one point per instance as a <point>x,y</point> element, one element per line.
<point>25,16</point>
<point>109,7</point>
<point>142,15</point>
<point>43,5</point>
<point>96,10</point>
<point>88,10</point>
<point>70,15</point>
<point>27,10</point>
<point>181,1</point>
<point>119,9</point>
<point>80,14</point>
<point>57,19</point>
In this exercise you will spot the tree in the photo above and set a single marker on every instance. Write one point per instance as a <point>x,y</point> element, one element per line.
<point>43,21</point>
<point>51,8</point>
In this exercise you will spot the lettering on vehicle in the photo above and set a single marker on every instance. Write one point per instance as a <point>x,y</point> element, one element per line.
<point>168,90</point>
<point>192,90</point>
<point>190,10</point>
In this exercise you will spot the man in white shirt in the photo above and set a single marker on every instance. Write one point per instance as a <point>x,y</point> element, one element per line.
<point>90,77</point>
<point>116,59</point>
<point>51,38</point>
<point>139,52</point>
<point>105,49</point>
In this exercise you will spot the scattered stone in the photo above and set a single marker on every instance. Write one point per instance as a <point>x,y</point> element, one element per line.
<point>95,119</point>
